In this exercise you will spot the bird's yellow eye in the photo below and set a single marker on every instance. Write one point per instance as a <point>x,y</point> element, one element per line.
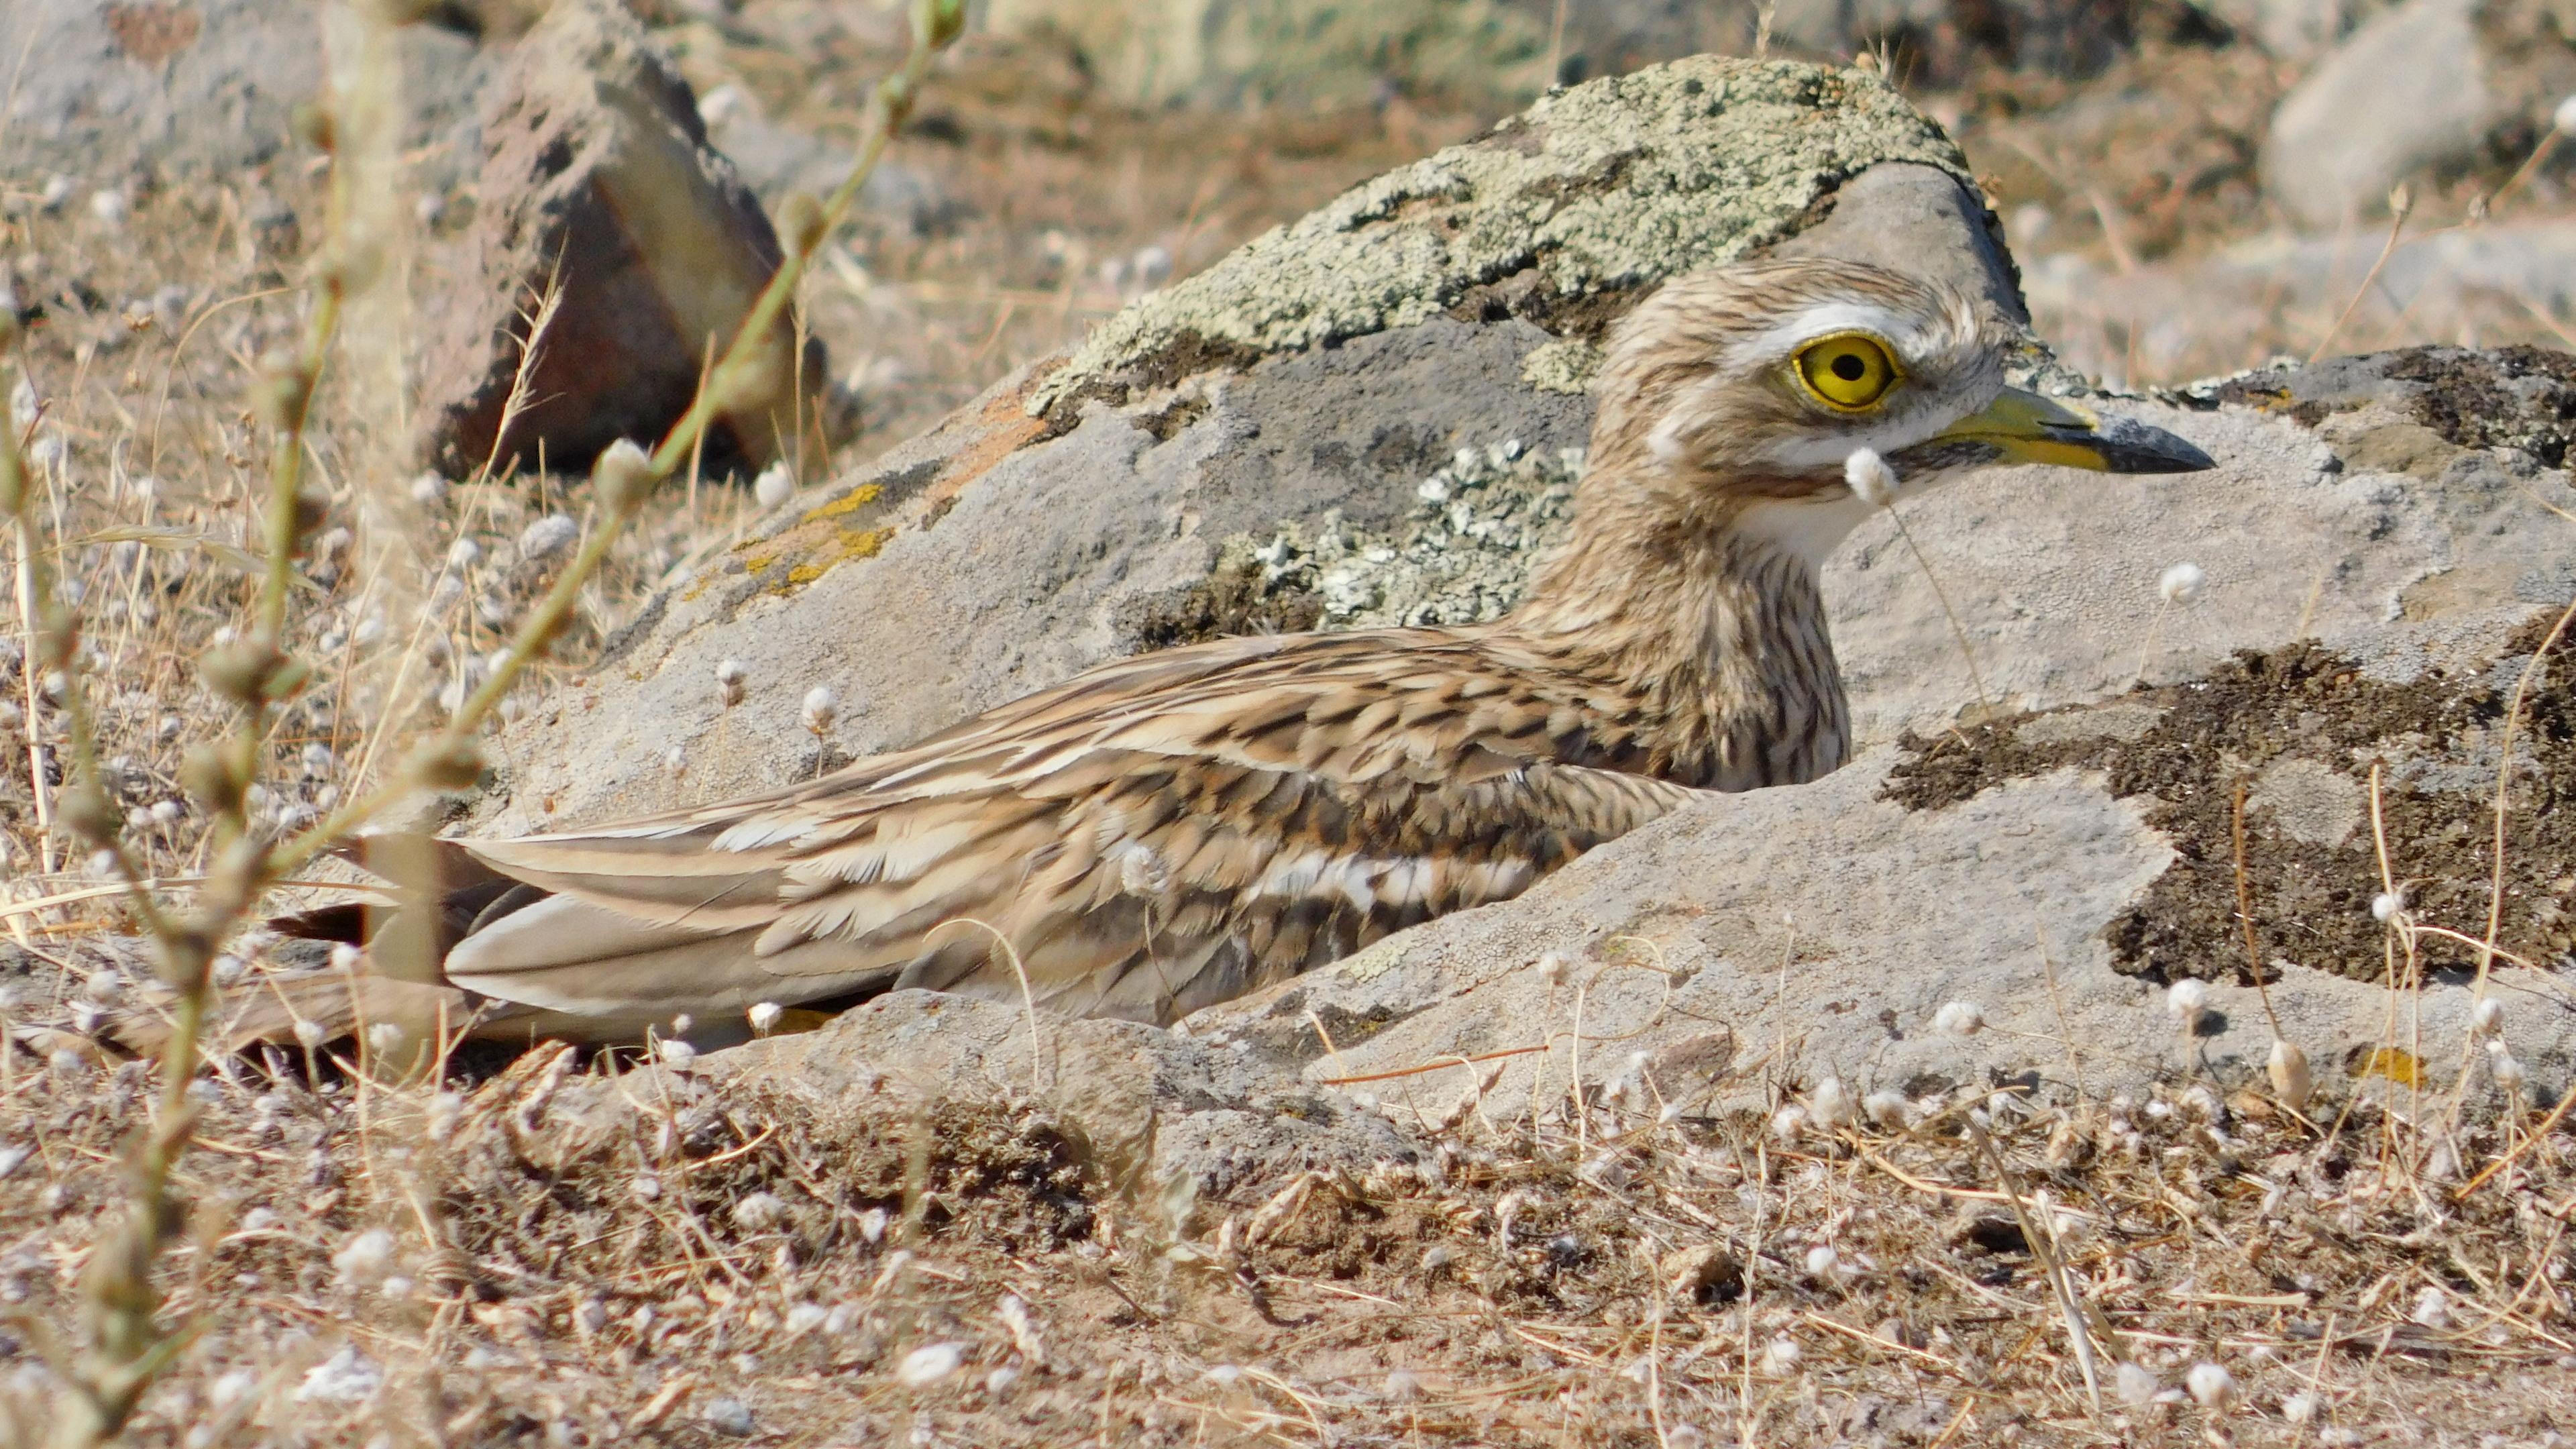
<point>1848,372</point>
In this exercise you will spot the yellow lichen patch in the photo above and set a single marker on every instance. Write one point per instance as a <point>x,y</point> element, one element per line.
<point>2397,1066</point>
<point>848,544</point>
<point>857,498</point>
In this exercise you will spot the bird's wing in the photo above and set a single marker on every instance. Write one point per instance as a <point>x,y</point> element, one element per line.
<point>1155,835</point>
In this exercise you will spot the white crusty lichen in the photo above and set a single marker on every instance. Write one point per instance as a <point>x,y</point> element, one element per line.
<point>1465,555</point>
<point>1616,183</point>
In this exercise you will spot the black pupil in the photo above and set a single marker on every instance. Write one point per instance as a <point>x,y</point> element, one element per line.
<point>1848,367</point>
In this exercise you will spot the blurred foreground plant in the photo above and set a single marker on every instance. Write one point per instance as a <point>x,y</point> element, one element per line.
<point>126,1342</point>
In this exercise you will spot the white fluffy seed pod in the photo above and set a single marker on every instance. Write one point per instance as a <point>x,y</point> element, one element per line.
<point>731,682</point>
<point>2291,1081</point>
<point>1871,480</point>
<point>1959,1018</point>
<point>384,1038</point>
<point>2564,118</point>
<point>2386,904</point>
<point>2300,1408</point>
<point>2211,1385</point>
<point>2182,583</point>
<point>1789,1123</point>
<point>764,1017</point>
<point>676,763</point>
<point>365,1259</point>
<point>1781,1357</point>
<point>2432,1309</point>
<point>1823,1262</point>
<point>2487,1017</point>
<point>1886,1110</point>
<point>1143,872</point>
<point>2136,1386</point>
<point>1552,968</point>
<point>1831,1104</point>
<point>774,486</point>
<point>311,1034</point>
<point>2509,1075</point>
<point>2186,1001</point>
<point>821,709</point>
<point>678,1053</point>
<point>928,1364</point>
<point>548,536</point>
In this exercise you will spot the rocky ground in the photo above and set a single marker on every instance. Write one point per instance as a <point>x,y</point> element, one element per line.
<point>1676,1149</point>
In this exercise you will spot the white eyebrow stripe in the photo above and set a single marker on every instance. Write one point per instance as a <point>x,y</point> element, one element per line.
<point>1824,320</point>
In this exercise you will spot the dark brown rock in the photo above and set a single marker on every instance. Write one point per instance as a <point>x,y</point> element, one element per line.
<point>598,179</point>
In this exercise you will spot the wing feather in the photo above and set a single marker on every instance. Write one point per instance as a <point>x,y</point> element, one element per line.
<point>1158,834</point>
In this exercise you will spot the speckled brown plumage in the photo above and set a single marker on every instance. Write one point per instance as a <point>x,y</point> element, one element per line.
<point>1169,831</point>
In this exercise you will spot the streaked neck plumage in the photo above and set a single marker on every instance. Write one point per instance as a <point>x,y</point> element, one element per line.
<point>1699,604</point>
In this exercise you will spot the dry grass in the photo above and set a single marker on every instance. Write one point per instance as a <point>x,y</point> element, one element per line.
<point>574,1257</point>
<point>571,1257</point>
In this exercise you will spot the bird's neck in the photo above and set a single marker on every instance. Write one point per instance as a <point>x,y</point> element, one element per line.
<point>1705,618</point>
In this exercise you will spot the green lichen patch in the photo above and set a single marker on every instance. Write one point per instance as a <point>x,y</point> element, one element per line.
<point>1479,526</point>
<point>1600,190</point>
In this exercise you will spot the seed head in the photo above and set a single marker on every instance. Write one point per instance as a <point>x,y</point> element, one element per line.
<point>2211,1386</point>
<point>774,486</point>
<point>2136,1386</point>
<point>2288,1069</point>
<point>676,762</point>
<point>2507,1067</point>
<point>621,477</point>
<point>1823,1262</point>
<point>764,1017</point>
<point>2300,1408</point>
<point>820,710</point>
<point>1789,1123</point>
<point>2182,583</point>
<point>311,1034</point>
<point>730,682</point>
<point>2564,118</point>
<point>1959,1018</point>
<point>366,1258</point>
<point>2487,1017</point>
<point>548,536</point>
<point>1885,1110</point>
<point>676,1053</point>
<point>800,223</point>
<point>928,1364</point>
<point>384,1038</point>
<point>1831,1104</point>
<point>1871,480</point>
<point>1142,871</point>
<point>2186,1001</point>
<point>2387,904</point>
<point>1781,1356</point>
<point>1552,968</point>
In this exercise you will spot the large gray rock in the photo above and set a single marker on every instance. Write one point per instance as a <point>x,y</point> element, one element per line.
<point>1153,1104</point>
<point>2425,86</point>
<point>1096,505</point>
<point>104,93</point>
<point>2407,90</point>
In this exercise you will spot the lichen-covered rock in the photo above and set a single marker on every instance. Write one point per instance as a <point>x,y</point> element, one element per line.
<point>598,186</point>
<point>1563,215</point>
<point>1087,508</point>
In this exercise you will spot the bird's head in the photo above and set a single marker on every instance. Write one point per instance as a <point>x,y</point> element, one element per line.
<point>1745,391</point>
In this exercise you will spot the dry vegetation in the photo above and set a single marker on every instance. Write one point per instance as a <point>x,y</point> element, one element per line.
<point>545,1252</point>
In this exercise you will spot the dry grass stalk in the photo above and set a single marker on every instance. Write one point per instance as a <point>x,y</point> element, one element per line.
<point>127,1344</point>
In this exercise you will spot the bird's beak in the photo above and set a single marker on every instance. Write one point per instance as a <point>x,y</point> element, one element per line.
<point>2028,428</point>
